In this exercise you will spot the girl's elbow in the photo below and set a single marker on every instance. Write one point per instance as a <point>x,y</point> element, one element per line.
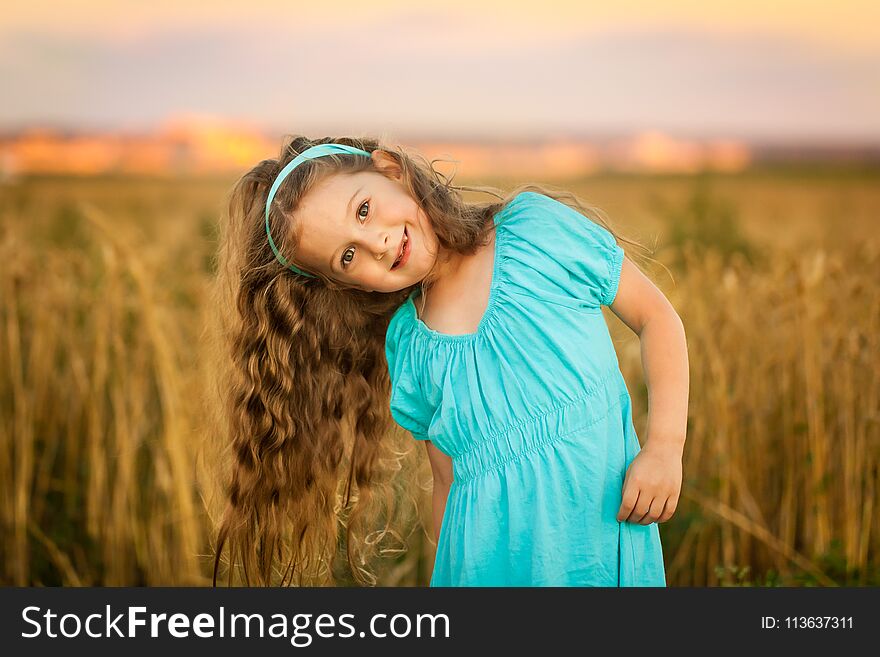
<point>663,315</point>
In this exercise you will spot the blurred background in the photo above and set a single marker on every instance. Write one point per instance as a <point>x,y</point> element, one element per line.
<point>739,141</point>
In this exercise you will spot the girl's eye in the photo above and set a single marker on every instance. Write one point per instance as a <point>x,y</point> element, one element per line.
<point>350,250</point>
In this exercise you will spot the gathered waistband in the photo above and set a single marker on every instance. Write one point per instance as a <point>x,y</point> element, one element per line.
<point>517,440</point>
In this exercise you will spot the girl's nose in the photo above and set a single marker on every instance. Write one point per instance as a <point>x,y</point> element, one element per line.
<point>381,246</point>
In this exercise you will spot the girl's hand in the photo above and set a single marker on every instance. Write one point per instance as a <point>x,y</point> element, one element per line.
<point>651,485</point>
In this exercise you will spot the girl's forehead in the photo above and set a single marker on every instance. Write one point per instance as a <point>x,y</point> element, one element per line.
<point>322,216</point>
<point>332,195</point>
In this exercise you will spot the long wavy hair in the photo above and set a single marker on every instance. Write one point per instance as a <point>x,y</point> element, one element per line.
<point>303,387</point>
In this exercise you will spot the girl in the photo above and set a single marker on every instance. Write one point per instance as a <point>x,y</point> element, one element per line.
<point>505,371</point>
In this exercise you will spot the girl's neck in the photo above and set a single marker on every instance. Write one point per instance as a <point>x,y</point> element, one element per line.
<point>448,266</point>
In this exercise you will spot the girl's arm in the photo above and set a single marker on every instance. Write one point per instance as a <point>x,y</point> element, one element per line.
<point>441,494</point>
<point>441,466</point>
<point>653,482</point>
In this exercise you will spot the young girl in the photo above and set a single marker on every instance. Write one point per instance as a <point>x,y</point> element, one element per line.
<point>505,371</point>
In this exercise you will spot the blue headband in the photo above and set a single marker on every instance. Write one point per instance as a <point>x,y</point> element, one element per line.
<point>315,151</point>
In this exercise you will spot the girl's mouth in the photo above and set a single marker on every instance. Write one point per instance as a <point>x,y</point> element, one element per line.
<point>404,255</point>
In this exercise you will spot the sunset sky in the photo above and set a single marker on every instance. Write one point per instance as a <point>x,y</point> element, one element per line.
<point>780,70</point>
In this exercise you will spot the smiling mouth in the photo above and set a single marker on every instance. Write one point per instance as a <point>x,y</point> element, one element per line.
<point>403,250</point>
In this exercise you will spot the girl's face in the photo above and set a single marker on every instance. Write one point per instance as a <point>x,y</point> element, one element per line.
<point>353,227</point>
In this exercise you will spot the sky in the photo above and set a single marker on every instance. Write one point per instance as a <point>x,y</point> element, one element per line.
<point>781,70</point>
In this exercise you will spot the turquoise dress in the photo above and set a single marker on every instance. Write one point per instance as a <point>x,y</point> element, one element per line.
<point>534,412</point>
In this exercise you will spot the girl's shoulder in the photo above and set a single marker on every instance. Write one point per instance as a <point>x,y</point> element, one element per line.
<point>407,403</point>
<point>559,249</point>
<point>512,213</point>
<point>536,215</point>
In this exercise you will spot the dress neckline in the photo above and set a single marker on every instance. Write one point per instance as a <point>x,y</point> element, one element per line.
<point>498,258</point>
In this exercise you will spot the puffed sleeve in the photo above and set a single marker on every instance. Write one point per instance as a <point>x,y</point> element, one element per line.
<point>568,253</point>
<point>407,402</point>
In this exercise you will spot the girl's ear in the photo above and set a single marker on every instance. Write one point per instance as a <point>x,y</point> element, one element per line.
<point>385,163</point>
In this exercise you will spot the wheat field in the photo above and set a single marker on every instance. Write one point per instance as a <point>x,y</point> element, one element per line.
<point>108,471</point>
